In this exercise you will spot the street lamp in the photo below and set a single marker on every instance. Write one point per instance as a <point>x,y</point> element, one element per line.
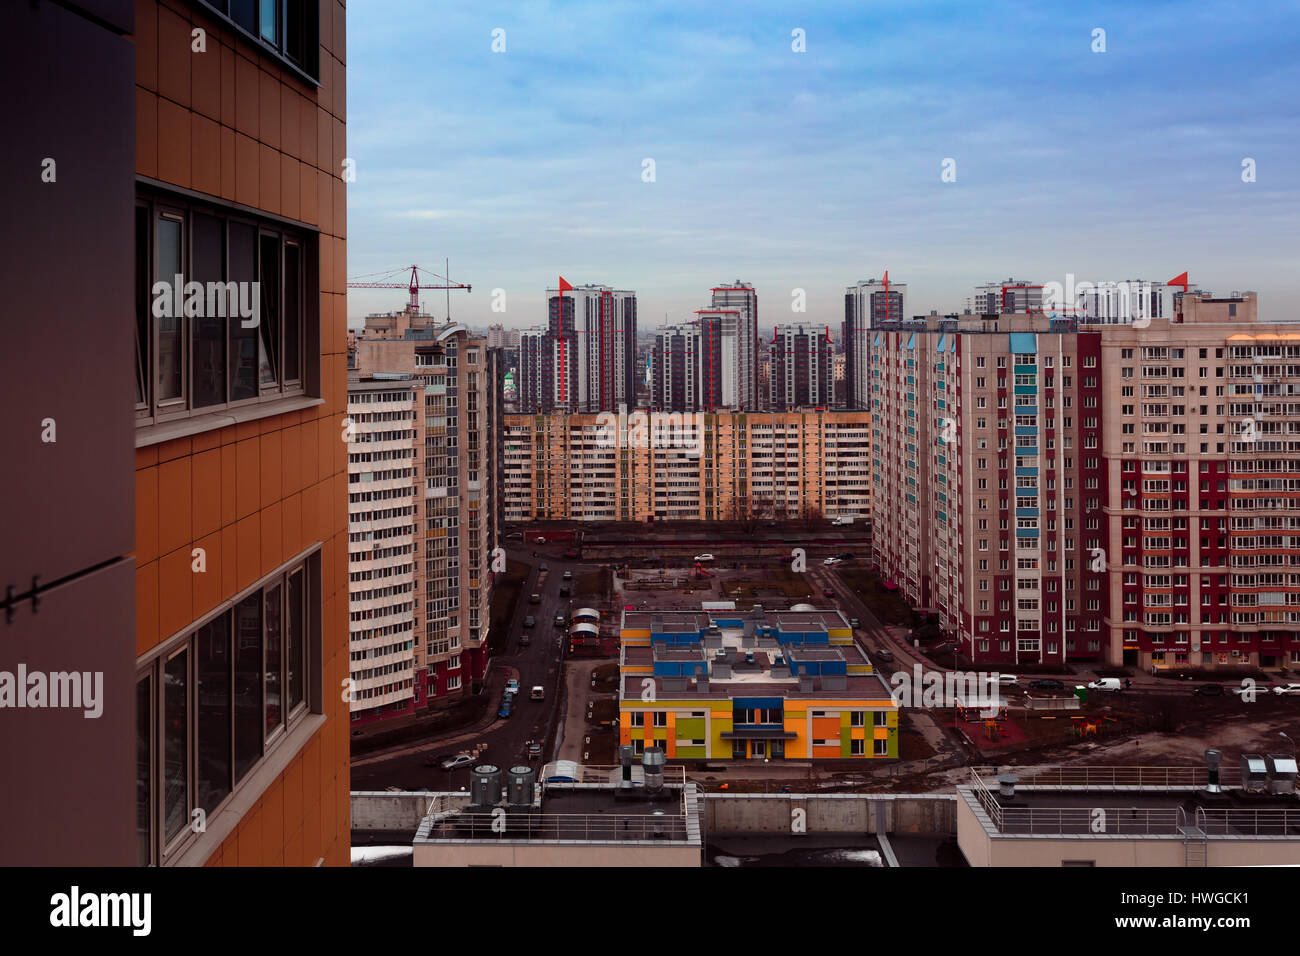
<point>1282,733</point>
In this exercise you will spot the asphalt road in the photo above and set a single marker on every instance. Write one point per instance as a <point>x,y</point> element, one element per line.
<point>505,740</point>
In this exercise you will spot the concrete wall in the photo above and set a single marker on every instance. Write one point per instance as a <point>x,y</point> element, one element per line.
<point>982,849</point>
<point>922,814</point>
<point>382,810</point>
<point>480,853</point>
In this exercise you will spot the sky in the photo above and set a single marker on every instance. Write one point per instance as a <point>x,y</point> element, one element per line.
<point>810,170</point>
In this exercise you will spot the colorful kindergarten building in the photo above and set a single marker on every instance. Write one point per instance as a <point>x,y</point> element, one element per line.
<point>719,683</point>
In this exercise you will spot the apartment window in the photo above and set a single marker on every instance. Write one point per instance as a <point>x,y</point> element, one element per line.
<point>288,29</point>
<point>857,748</point>
<point>880,748</point>
<point>216,702</point>
<point>235,332</point>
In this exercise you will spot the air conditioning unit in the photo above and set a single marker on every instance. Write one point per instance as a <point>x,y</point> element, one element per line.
<point>1236,653</point>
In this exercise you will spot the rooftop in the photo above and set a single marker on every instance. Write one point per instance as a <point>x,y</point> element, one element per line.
<point>594,810</point>
<point>1125,802</point>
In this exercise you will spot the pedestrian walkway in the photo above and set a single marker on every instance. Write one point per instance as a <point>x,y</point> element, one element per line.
<point>577,689</point>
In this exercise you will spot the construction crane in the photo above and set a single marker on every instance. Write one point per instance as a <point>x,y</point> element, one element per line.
<point>416,282</point>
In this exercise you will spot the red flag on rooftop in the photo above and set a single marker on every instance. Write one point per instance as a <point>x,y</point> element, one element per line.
<point>564,285</point>
<point>1179,280</point>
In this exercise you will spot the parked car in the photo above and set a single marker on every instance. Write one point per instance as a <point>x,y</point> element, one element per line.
<point>529,621</point>
<point>846,556</point>
<point>535,599</point>
<point>564,590</point>
<point>571,555</point>
<point>1046,683</point>
<point>539,540</point>
<point>1008,680</point>
<point>831,561</point>
<point>525,640</point>
<point>769,524</point>
<point>1106,683</point>
<point>559,620</point>
<point>543,567</point>
<point>853,622</point>
<point>568,575</point>
<point>1286,688</point>
<point>883,655</point>
<point>437,761</point>
<point>829,592</point>
<point>702,558</point>
<point>537,693</point>
<point>506,704</point>
<point>512,685</point>
<point>534,750</point>
<point>1209,690</point>
<point>458,761</point>
<point>515,536</point>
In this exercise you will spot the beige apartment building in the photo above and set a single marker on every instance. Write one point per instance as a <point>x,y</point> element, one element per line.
<point>726,466</point>
<point>452,435</point>
<point>1202,455</point>
<point>1070,491</point>
<point>986,433</point>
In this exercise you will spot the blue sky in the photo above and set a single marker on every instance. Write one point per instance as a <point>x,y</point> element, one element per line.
<point>811,170</point>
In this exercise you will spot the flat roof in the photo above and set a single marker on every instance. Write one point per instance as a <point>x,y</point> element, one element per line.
<point>1179,812</point>
<point>578,813</point>
<point>762,684</point>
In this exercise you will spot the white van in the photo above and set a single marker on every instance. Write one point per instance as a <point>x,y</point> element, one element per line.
<point>1105,683</point>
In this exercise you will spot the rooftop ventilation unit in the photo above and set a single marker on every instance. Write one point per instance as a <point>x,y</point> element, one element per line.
<point>1212,760</point>
<point>521,786</point>
<point>659,829</point>
<point>626,757</point>
<point>1254,772</point>
<point>485,786</point>
<point>652,764</point>
<point>1007,786</point>
<point>1281,773</point>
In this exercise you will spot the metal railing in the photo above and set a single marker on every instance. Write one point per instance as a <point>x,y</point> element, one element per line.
<point>1242,822</point>
<point>674,776</point>
<point>1116,819</point>
<point>587,827</point>
<point>1110,778</point>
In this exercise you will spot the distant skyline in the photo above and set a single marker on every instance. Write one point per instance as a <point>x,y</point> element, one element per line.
<point>812,170</point>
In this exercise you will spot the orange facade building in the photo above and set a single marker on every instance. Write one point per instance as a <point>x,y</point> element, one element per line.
<point>215,134</point>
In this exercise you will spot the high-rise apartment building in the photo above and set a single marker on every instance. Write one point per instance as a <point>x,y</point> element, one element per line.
<point>498,336</point>
<point>724,466</point>
<point>1095,491</point>
<point>461,383</point>
<point>801,371</point>
<point>385,416</point>
<point>734,347</point>
<point>1010,296</point>
<point>986,440</point>
<point>1202,459</point>
<point>200,578</point>
<point>590,346</point>
<point>1121,303</point>
<point>675,384</point>
<point>867,303</point>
